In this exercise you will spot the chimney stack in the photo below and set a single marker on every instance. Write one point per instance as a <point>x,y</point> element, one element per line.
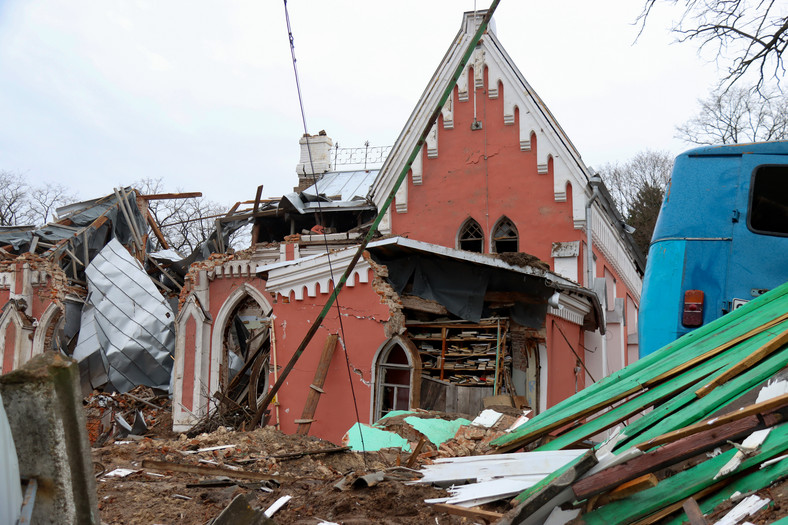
<point>320,148</point>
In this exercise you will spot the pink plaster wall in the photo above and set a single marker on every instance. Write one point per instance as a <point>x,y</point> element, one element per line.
<point>9,352</point>
<point>560,359</point>
<point>363,316</point>
<point>483,174</point>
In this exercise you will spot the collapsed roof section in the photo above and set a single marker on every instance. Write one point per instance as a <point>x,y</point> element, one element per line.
<point>467,284</point>
<point>470,285</point>
<point>81,231</point>
<point>335,203</point>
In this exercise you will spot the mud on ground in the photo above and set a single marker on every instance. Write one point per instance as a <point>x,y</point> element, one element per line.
<point>152,496</point>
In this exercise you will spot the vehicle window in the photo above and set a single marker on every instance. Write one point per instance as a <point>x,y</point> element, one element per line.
<point>768,213</point>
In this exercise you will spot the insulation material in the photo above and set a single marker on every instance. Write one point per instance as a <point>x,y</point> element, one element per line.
<point>370,439</point>
<point>127,337</point>
<point>437,430</point>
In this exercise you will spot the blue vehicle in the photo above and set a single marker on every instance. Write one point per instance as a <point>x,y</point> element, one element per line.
<point>721,238</point>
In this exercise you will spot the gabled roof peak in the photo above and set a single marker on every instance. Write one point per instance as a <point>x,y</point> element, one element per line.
<point>472,19</point>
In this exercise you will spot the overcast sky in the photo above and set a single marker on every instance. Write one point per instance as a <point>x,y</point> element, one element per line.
<point>97,94</point>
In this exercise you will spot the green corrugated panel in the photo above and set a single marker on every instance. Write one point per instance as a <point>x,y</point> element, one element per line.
<point>752,482</point>
<point>700,409</point>
<point>752,315</point>
<point>684,484</point>
<point>658,415</point>
<point>687,380</point>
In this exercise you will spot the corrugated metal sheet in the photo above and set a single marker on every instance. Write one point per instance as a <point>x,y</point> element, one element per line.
<point>349,185</point>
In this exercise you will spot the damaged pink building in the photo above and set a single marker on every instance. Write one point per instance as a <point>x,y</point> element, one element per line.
<point>483,280</point>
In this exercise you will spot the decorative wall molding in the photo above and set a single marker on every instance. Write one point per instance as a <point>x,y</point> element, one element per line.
<point>50,315</point>
<point>184,417</point>
<point>22,346</point>
<point>314,275</point>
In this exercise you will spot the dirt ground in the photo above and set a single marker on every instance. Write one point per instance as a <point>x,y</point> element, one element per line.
<point>153,496</point>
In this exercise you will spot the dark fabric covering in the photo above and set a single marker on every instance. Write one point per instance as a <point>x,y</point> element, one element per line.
<point>460,286</point>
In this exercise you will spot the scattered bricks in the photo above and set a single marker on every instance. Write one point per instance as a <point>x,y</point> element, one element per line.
<point>472,432</point>
<point>44,405</point>
<point>388,296</point>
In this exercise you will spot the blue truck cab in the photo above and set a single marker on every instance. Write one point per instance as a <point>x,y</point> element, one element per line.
<point>721,238</point>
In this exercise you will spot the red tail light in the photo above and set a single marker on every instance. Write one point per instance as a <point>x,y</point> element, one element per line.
<point>693,308</point>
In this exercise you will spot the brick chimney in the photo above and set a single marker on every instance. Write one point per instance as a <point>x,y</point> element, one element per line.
<point>319,146</point>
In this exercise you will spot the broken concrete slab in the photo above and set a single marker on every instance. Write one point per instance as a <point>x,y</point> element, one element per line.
<point>44,405</point>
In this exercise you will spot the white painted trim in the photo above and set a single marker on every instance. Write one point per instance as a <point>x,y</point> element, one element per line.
<point>314,274</point>
<point>414,361</point>
<point>39,338</point>
<point>23,346</point>
<point>543,377</point>
<point>182,418</point>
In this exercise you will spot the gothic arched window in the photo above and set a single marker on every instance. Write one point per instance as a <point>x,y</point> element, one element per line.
<point>471,237</point>
<point>505,237</point>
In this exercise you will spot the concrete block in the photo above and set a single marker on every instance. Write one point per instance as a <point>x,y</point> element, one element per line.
<point>43,402</point>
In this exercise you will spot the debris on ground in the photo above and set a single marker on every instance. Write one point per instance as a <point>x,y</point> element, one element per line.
<point>264,464</point>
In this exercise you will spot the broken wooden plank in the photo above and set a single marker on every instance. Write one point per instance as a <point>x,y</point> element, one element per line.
<point>164,196</point>
<point>758,408</point>
<point>628,408</point>
<point>414,456</point>
<point>629,488</point>
<point>473,513</point>
<point>745,364</point>
<point>313,397</point>
<point>293,455</point>
<point>750,482</point>
<point>668,455</point>
<point>254,379</point>
<point>257,198</point>
<point>414,302</point>
<point>163,271</point>
<point>534,498</point>
<point>671,492</point>
<point>716,350</point>
<point>200,470</point>
<point>693,512</point>
<point>700,409</point>
<point>156,230</point>
<point>670,509</point>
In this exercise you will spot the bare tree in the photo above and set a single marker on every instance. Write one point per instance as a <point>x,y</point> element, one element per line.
<point>733,115</point>
<point>23,204</point>
<point>44,200</point>
<point>185,223</point>
<point>746,34</point>
<point>638,187</point>
<point>14,209</point>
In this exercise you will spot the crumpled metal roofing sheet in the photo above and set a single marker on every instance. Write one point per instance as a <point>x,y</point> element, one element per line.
<point>127,322</point>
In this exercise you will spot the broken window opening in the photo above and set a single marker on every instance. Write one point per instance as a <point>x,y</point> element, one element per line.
<point>471,237</point>
<point>246,347</point>
<point>505,237</point>
<point>394,372</point>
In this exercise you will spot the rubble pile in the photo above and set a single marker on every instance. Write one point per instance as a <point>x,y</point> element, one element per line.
<point>138,481</point>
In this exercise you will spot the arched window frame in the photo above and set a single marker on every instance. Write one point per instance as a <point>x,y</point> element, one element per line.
<point>414,366</point>
<point>495,237</point>
<point>470,227</point>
